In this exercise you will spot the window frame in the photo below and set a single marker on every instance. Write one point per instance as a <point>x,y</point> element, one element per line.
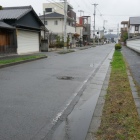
<point>46,22</point>
<point>48,10</point>
<point>56,22</point>
<point>136,27</point>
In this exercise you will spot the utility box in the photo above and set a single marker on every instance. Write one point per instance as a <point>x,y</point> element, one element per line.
<point>44,45</point>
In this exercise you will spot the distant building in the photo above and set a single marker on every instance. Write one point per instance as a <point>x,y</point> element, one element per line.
<point>98,33</point>
<point>54,19</point>
<point>134,26</point>
<point>85,21</point>
<point>111,37</point>
<point>125,25</point>
<point>79,30</point>
<point>124,28</point>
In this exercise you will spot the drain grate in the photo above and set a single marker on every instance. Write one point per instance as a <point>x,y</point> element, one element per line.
<point>65,78</point>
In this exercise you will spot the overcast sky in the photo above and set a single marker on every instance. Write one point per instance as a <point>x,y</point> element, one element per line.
<point>114,11</point>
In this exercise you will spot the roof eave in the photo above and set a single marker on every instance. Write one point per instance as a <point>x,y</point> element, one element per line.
<point>52,17</point>
<point>12,28</point>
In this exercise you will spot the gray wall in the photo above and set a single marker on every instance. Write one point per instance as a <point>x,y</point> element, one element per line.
<point>134,44</point>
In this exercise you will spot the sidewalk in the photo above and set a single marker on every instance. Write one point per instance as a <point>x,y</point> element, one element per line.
<point>50,53</point>
<point>102,80</point>
<point>14,59</point>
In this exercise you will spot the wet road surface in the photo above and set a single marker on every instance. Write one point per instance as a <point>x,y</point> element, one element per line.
<point>33,97</point>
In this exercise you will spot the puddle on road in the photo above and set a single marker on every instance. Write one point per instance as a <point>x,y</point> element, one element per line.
<point>91,65</point>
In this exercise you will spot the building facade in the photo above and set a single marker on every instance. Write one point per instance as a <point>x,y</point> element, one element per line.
<point>54,19</point>
<point>134,27</point>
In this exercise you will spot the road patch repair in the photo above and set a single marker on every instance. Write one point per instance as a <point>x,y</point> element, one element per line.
<point>19,59</point>
<point>117,114</point>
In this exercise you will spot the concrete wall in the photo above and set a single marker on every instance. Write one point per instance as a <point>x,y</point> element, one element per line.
<point>57,7</point>
<point>58,29</point>
<point>55,28</point>
<point>79,30</point>
<point>134,44</point>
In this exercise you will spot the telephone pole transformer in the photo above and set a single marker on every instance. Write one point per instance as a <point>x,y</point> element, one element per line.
<point>81,11</point>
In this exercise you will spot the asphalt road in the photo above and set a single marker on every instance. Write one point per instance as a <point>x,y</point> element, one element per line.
<point>133,60</point>
<point>33,96</point>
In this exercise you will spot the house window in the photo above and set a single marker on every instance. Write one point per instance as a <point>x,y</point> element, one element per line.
<point>48,10</point>
<point>55,22</point>
<point>136,28</point>
<point>46,23</point>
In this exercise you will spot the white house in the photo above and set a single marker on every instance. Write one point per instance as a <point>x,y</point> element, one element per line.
<point>54,18</point>
<point>134,26</point>
<point>55,23</point>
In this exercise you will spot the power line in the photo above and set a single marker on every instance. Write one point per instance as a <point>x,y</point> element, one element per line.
<point>85,5</point>
<point>118,15</point>
<point>55,4</point>
<point>100,14</point>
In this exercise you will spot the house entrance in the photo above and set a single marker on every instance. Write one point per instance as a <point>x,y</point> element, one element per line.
<point>7,41</point>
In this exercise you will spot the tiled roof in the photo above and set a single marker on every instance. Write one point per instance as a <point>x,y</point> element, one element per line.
<point>134,20</point>
<point>14,12</point>
<point>4,25</point>
<point>124,22</point>
<point>52,15</point>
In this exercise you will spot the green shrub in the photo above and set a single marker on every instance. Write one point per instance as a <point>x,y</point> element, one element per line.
<point>61,44</point>
<point>118,46</point>
<point>1,7</point>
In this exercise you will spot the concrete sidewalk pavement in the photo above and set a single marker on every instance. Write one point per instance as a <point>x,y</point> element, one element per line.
<point>102,79</point>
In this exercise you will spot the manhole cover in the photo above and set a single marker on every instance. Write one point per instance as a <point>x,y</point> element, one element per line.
<point>65,78</point>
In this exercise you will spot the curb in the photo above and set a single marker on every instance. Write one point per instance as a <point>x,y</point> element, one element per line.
<point>134,92</point>
<point>96,119</point>
<point>21,62</point>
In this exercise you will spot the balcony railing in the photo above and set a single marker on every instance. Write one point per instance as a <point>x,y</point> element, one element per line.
<point>124,29</point>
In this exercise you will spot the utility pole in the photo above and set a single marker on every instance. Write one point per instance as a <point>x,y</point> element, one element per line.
<point>94,24</point>
<point>44,25</point>
<point>81,11</point>
<point>118,32</point>
<point>98,35</point>
<point>128,30</point>
<point>65,24</point>
<point>104,24</point>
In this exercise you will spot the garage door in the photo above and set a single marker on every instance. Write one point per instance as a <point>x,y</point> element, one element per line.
<point>27,41</point>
